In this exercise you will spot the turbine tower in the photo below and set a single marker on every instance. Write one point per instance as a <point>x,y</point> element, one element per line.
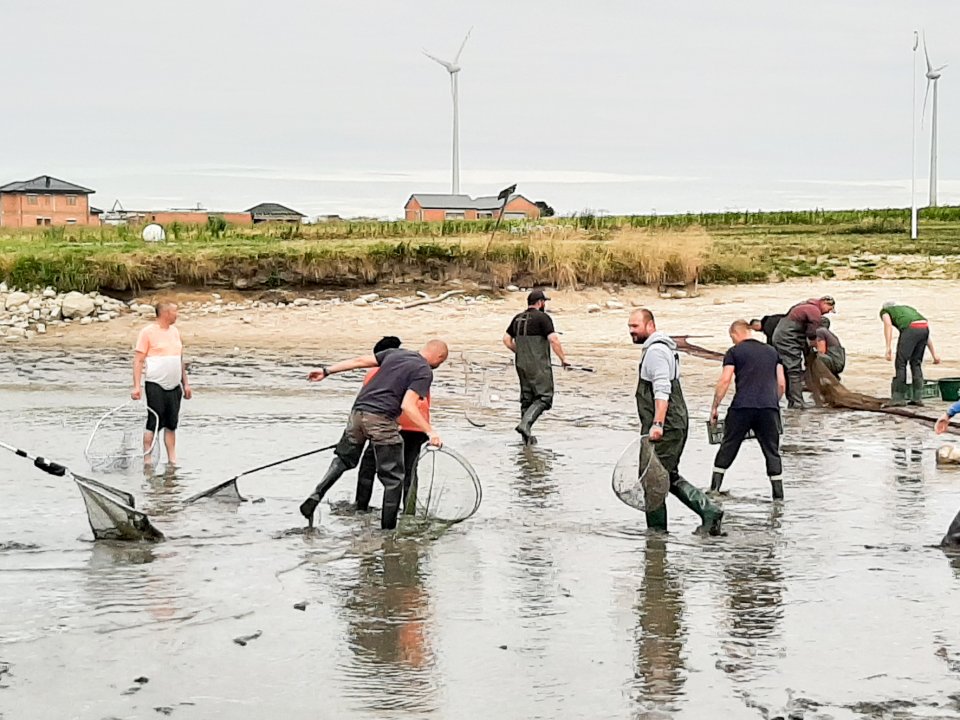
<point>453,68</point>
<point>933,75</point>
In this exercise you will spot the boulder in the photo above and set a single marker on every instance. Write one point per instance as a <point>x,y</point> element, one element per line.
<point>49,293</point>
<point>370,297</point>
<point>104,317</point>
<point>16,299</point>
<point>512,288</point>
<point>147,311</point>
<point>301,302</point>
<point>16,332</point>
<point>614,305</point>
<point>77,305</point>
<point>276,296</point>
<point>41,329</point>
<point>86,320</point>
<point>35,303</point>
<point>360,302</point>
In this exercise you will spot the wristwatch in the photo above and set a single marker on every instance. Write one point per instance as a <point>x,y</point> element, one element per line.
<point>658,424</point>
<point>325,369</point>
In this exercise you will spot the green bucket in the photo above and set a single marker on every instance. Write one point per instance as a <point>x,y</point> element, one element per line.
<point>931,389</point>
<point>950,389</point>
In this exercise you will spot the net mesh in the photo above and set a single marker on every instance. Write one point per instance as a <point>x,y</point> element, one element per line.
<point>446,486</point>
<point>489,386</point>
<point>112,514</point>
<point>639,478</point>
<point>116,442</point>
<point>227,492</point>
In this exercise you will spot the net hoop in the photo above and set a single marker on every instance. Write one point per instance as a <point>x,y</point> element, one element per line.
<point>120,458</point>
<point>429,497</point>
<point>649,490</point>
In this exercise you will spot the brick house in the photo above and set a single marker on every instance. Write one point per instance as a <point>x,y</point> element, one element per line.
<point>45,201</point>
<point>424,207</point>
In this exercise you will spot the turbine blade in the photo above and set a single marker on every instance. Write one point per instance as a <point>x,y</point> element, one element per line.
<point>925,95</point>
<point>926,53</point>
<point>448,66</point>
<point>941,67</point>
<point>467,37</point>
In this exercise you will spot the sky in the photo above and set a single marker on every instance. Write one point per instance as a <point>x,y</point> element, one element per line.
<point>615,106</point>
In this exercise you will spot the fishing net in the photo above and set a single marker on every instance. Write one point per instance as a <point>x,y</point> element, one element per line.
<point>639,478</point>
<point>489,386</point>
<point>445,486</point>
<point>112,514</point>
<point>226,492</point>
<point>116,442</point>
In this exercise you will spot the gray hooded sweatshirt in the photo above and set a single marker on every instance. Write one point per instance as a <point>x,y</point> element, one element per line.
<point>659,365</point>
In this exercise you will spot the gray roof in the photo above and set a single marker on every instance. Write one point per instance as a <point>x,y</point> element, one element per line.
<point>458,202</point>
<point>45,184</point>
<point>273,209</point>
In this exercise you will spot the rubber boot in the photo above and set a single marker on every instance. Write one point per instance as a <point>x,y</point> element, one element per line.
<point>365,476</point>
<point>795,391</point>
<point>776,487</point>
<point>390,472</point>
<point>337,468</point>
<point>711,515</point>
<point>657,519</point>
<point>525,428</point>
<point>898,393</point>
<point>717,480</point>
<point>917,392</point>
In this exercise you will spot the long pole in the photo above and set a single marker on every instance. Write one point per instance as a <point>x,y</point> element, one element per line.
<point>913,144</point>
<point>933,149</point>
<point>456,132</point>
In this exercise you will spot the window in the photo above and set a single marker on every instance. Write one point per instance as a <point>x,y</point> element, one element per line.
<point>39,221</point>
<point>32,200</point>
<point>484,215</point>
<point>71,199</point>
<point>454,215</point>
<point>71,221</point>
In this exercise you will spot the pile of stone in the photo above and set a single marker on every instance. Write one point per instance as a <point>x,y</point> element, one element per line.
<point>27,314</point>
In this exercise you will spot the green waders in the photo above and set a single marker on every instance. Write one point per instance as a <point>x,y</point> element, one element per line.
<point>668,451</point>
<point>536,381</point>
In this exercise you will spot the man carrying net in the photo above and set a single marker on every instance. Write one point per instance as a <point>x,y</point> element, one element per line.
<point>792,340</point>
<point>158,365</point>
<point>403,379</point>
<point>913,341</point>
<point>756,405</point>
<point>663,415</point>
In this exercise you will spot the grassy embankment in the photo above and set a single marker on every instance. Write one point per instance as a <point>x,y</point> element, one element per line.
<point>585,250</point>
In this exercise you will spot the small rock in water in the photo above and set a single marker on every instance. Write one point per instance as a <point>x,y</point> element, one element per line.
<point>614,305</point>
<point>512,288</point>
<point>301,302</point>
<point>300,606</point>
<point>164,710</point>
<point>244,639</point>
<point>593,308</point>
<point>370,297</point>
<point>142,680</point>
<point>503,647</point>
<point>360,302</point>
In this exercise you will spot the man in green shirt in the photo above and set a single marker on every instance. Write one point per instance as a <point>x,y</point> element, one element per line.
<point>914,340</point>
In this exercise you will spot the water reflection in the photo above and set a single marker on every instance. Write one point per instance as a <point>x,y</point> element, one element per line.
<point>163,490</point>
<point>660,634</point>
<point>534,479</point>
<point>387,613</point>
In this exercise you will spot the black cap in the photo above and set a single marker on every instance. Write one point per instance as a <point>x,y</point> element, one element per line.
<point>535,297</point>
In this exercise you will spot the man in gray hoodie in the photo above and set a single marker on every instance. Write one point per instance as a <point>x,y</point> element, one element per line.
<point>663,415</point>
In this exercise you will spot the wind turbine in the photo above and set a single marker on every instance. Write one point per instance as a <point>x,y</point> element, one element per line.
<point>453,68</point>
<point>933,75</point>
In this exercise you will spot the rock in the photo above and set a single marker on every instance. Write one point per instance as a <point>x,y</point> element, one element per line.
<point>300,606</point>
<point>147,311</point>
<point>360,302</point>
<point>301,302</point>
<point>275,296</point>
<point>244,639</point>
<point>614,305</point>
<point>593,308</point>
<point>35,314</point>
<point>216,296</point>
<point>41,329</point>
<point>30,334</point>
<point>76,305</point>
<point>86,321</point>
<point>247,319</point>
<point>512,288</point>
<point>16,299</point>
<point>49,293</point>
<point>370,297</point>
<point>241,283</point>
<point>35,303</point>
<point>678,294</point>
<point>98,301</point>
<point>16,332</point>
<point>104,317</point>
<point>636,302</point>
<point>12,338</point>
<point>3,287</point>
<point>142,680</point>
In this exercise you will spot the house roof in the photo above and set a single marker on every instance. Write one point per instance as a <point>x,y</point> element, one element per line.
<point>45,184</point>
<point>273,209</point>
<point>460,202</point>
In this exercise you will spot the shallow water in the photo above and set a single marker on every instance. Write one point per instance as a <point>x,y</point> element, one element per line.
<point>551,602</point>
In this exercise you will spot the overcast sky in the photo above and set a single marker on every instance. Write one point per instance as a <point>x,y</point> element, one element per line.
<point>616,105</point>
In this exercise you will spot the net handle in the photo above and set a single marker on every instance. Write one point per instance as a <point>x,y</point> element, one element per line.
<point>93,434</point>
<point>40,463</point>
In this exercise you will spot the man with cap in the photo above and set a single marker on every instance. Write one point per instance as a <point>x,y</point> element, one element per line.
<point>914,340</point>
<point>792,339</point>
<point>530,337</point>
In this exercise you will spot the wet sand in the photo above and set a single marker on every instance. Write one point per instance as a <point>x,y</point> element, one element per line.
<point>551,602</point>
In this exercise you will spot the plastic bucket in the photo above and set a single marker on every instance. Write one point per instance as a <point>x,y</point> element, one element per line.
<point>931,389</point>
<point>950,389</point>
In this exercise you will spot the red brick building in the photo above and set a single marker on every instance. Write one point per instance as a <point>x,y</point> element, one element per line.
<point>424,207</point>
<point>45,201</point>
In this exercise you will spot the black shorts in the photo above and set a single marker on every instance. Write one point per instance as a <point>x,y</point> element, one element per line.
<point>166,404</point>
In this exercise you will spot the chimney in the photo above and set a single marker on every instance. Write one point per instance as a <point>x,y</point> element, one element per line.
<point>47,180</point>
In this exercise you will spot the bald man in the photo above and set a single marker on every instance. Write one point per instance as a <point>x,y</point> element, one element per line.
<point>403,380</point>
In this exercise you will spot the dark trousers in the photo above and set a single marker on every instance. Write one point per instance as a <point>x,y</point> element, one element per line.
<point>910,349</point>
<point>413,441</point>
<point>765,423</point>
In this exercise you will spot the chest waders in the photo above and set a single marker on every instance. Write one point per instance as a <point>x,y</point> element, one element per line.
<point>790,340</point>
<point>836,359</point>
<point>669,449</point>
<point>536,378</point>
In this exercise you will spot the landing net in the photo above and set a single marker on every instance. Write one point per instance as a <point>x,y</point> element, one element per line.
<point>445,486</point>
<point>639,478</point>
<point>226,492</point>
<point>489,386</point>
<point>116,443</point>
<point>112,513</point>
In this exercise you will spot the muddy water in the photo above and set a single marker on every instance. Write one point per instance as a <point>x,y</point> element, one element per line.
<point>550,603</point>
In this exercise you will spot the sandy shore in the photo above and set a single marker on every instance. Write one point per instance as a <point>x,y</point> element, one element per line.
<point>596,339</point>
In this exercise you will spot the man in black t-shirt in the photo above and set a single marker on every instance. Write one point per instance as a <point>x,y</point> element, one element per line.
<point>404,377</point>
<point>767,325</point>
<point>756,404</point>
<point>530,336</point>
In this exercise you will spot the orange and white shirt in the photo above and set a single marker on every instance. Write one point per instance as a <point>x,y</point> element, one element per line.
<point>405,423</point>
<point>164,353</point>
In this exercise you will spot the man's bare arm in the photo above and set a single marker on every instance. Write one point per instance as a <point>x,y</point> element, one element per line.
<point>364,361</point>
<point>554,339</point>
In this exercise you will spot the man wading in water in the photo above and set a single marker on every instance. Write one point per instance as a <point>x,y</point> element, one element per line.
<point>792,339</point>
<point>404,378</point>
<point>756,405</point>
<point>914,340</point>
<point>530,336</point>
<point>663,415</point>
<point>160,350</point>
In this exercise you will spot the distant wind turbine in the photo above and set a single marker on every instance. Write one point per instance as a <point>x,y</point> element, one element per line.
<point>933,75</point>
<point>454,69</point>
